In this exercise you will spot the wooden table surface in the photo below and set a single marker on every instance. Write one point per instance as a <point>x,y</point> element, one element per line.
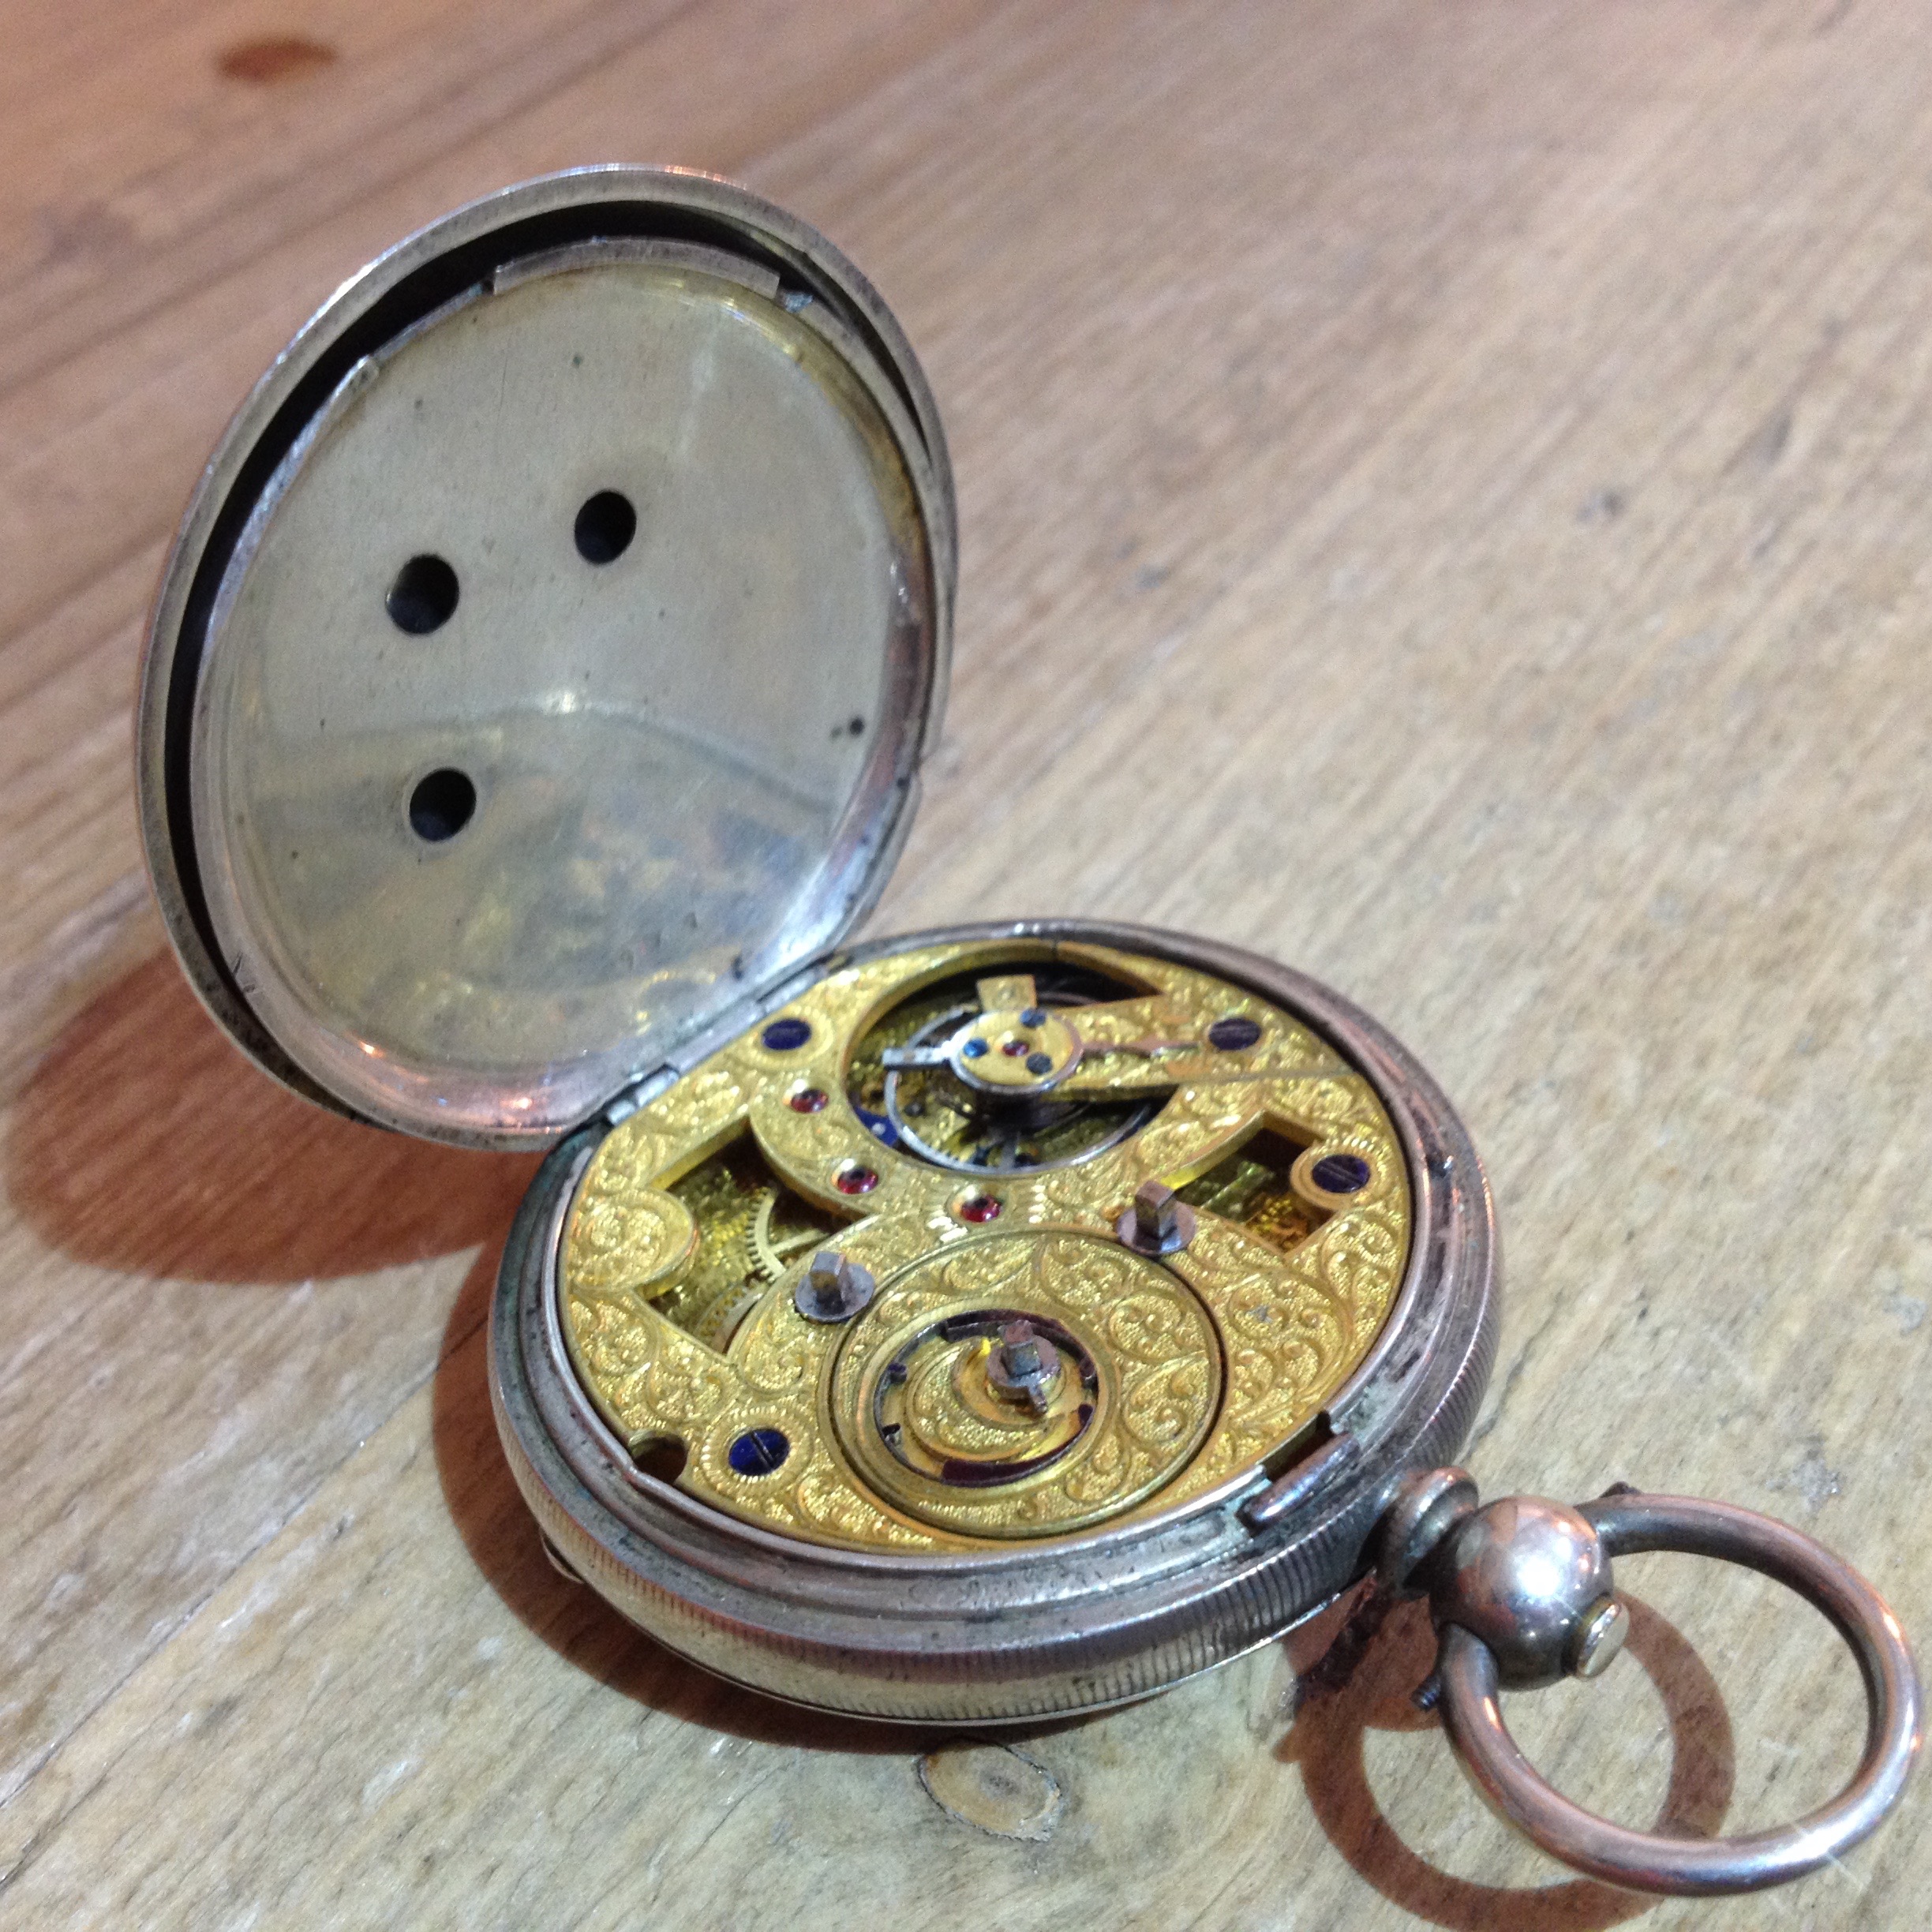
<point>1446,500</point>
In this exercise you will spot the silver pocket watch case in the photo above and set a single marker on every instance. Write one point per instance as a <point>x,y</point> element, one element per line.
<point>981,1325</point>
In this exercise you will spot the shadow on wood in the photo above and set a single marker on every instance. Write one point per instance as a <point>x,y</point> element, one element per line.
<point>145,1143</point>
<point>1367,1678</point>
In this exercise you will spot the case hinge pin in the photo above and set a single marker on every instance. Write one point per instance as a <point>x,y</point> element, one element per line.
<point>1293,1488</point>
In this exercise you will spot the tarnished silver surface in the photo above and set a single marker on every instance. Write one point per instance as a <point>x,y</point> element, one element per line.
<point>466,802</point>
<point>1072,1624</point>
<point>1472,1680</point>
<point>1526,1578</point>
<point>1426,1506</point>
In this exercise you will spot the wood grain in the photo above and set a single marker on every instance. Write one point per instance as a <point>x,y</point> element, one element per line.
<point>1446,500</point>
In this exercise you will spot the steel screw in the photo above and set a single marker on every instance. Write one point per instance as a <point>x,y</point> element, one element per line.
<point>1159,1222</point>
<point>1600,1637</point>
<point>1024,1365</point>
<point>834,1289</point>
<point>1153,1212</point>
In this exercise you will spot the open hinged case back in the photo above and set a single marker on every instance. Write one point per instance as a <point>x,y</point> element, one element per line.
<point>983,1325</point>
<point>459,829</point>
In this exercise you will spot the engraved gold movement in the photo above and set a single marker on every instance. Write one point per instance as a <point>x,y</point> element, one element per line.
<point>1122,1228</point>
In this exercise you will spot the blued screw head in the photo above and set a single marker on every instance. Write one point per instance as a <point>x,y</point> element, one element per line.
<point>1039,1063</point>
<point>758,1452</point>
<point>1234,1034</point>
<point>1341,1174</point>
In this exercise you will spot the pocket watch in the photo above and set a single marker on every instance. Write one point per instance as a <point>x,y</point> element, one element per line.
<point>976,1327</point>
